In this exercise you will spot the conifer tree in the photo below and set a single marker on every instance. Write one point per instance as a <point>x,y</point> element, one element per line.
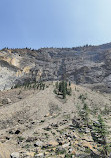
<point>99,135</point>
<point>64,89</point>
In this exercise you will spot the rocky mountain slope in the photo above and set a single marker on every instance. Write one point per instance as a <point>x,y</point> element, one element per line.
<point>89,66</point>
<point>37,122</point>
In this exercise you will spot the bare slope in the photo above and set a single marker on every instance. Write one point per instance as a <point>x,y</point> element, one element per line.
<point>39,115</point>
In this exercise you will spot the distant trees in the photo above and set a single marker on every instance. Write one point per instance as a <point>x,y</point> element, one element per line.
<point>63,88</point>
<point>31,85</point>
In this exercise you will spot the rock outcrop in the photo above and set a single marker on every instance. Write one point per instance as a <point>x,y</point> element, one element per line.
<point>88,65</point>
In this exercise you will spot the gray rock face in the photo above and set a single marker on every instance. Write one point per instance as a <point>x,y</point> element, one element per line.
<point>89,65</point>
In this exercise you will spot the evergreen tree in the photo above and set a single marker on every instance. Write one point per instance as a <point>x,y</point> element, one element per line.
<point>64,89</point>
<point>86,113</point>
<point>99,135</point>
<point>69,83</point>
<point>60,87</point>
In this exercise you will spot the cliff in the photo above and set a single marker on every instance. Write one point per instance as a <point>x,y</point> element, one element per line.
<point>89,66</point>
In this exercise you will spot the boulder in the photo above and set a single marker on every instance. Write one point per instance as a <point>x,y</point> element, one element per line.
<point>14,155</point>
<point>6,101</point>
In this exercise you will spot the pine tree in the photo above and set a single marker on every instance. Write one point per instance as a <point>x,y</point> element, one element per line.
<point>64,90</point>
<point>99,136</point>
<point>86,113</point>
<point>69,83</point>
<point>60,87</point>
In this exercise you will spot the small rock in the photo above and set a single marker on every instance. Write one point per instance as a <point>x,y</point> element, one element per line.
<point>28,154</point>
<point>53,143</point>
<point>6,101</point>
<point>14,155</point>
<point>19,97</point>
<point>21,121</point>
<point>87,130</point>
<point>31,139</point>
<point>65,145</point>
<point>11,131</point>
<point>69,138</point>
<point>77,122</point>
<point>70,150</point>
<point>41,155</point>
<point>60,150</point>
<point>47,128</point>
<point>55,125</point>
<point>17,131</point>
<point>60,143</point>
<point>7,138</point>
<point>38,144</point>
<point>47,115</point>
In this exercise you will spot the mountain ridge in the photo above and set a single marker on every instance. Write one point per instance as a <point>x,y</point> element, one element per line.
<point>87,65</point>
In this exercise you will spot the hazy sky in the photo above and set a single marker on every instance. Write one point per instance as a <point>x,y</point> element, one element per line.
<point>54,23</point>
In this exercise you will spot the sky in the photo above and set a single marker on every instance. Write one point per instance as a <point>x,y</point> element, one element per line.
<point>54,23</point>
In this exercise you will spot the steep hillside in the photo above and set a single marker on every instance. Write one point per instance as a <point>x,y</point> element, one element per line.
<point>38,122</point>
<point>88,65</point>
